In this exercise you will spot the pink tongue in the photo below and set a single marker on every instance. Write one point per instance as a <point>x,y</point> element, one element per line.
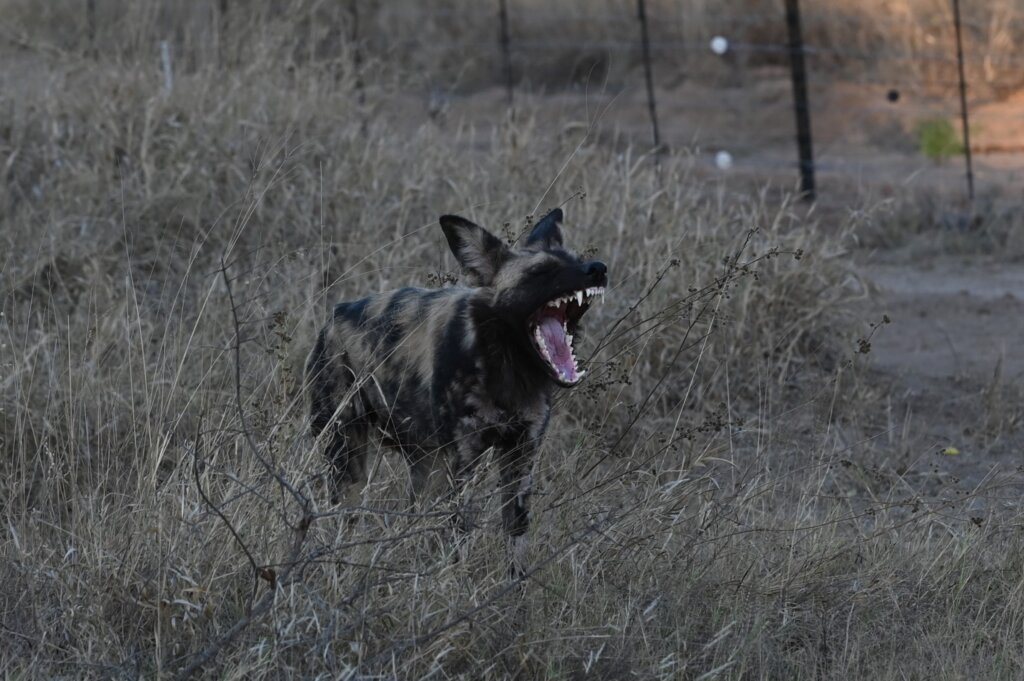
<point>558,348</point>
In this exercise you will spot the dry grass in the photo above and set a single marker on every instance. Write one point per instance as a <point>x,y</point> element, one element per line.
<point>712,504</point>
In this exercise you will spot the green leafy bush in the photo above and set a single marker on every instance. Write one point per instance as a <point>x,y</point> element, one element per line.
<point>938,140</point>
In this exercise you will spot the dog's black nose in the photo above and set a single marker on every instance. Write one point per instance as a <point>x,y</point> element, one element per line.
<point>596,268</point>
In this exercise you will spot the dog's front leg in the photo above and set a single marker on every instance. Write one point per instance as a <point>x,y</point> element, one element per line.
<point>462,465</point>
<point>516,488</point>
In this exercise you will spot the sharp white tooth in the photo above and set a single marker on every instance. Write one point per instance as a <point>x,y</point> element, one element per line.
<point>568,337</point>
<point>579,297</point>
<point>580,375</point>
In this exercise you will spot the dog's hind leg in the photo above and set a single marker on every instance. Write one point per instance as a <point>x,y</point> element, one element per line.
<point>424,473</point>
<point>346,453</point>
<point>338,407</point>
<point>516,480</point>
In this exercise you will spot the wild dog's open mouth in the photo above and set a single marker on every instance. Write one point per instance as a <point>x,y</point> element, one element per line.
<point>552,328</point>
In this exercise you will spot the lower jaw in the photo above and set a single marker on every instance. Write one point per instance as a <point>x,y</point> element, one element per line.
<point>559,379</point>
<point>550,371</point>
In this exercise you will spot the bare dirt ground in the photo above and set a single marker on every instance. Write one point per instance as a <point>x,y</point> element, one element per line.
<point>953,318</point>
<point>952,360</point>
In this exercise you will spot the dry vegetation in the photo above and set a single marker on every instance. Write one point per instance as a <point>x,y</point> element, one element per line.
<point>728,497</point>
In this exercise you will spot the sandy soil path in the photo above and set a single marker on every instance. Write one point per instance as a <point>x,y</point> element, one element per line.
<point>952,361</point>
<point>960,317</point>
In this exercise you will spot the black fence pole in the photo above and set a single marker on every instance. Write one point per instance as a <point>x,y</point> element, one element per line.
<point>222,32</point>
<point>505,51</point>
<point>963,101</point>
<point>90,20</point>
<point>645,42</point>
<point>801,106</point>
<point>357,55</point>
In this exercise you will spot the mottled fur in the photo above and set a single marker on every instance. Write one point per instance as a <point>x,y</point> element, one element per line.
<point>446,374</point>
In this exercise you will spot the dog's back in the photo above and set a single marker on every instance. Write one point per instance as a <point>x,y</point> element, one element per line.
<point>393,360</point>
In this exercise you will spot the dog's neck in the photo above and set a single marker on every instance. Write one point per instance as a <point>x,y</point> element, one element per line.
<point>512,375</point>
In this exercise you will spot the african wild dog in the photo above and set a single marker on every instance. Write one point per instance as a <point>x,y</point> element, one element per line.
<point>445,374</point>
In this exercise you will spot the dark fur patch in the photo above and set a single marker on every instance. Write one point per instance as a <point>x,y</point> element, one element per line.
<point>386,330</point>
<point>354,312</point>
<point>451,366</point>
<point>316,367</point>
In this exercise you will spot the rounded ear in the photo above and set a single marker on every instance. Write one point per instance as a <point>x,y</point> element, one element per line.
<point>480,253</point>
<point>547,232</point>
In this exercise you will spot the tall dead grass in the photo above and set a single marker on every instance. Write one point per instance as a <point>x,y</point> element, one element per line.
<point>708,506</point>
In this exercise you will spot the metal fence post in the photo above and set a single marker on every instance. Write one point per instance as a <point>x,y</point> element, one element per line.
<point>222,32</point>
<point>963,101</point>
<point>505,55</point>
<point>357,55</point>
<point>801,108</point>
<point>648,74</point>
<point>90,22</point>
